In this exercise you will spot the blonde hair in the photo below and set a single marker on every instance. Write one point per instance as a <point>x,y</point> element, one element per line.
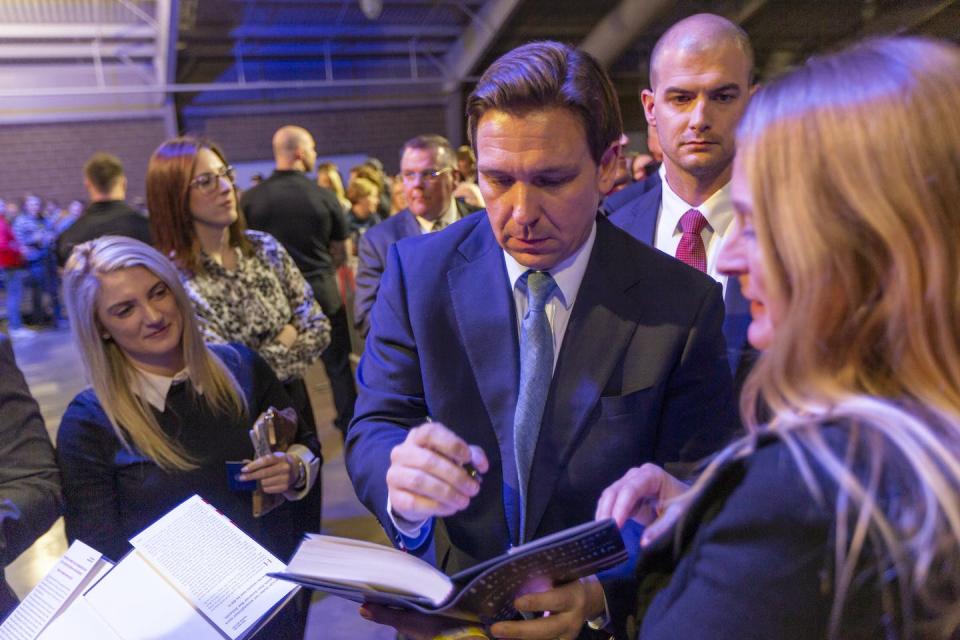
<point>108,368</point>
<point>329,170</point>
<point>361,188</point>
<point>853,165</point>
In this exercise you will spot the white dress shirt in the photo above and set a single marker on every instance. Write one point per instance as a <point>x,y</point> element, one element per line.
<point>451,215</point>
<point>568,275</point>
<point>717,209</point>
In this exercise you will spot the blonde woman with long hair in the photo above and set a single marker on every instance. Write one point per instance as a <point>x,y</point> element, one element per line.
<point>839,515</point>
<point>164,411</point>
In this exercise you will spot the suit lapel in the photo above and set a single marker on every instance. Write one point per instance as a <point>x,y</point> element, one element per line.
<point>485,315</point>
<point>600,327</point>
<point>410,225</point>
<point>643,223</point>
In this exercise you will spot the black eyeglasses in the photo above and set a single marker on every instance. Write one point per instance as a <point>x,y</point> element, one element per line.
<point>209,182</point>
<point>427,176</point>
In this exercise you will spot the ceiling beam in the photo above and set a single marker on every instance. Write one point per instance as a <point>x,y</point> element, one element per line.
<point>323,31</point>
<point>339,3</point>
<point>77,31</point>
<point>618,29</point>
<point>476,40</point>
<point>902,18</point>
<point>198,87</point>
<point>78,51</point>
<point>314,50</point>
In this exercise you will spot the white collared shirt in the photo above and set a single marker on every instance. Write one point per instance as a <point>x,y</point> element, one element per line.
<point>154,387</point>
<point>717,209</point>
<point>568,276</point>
<point>451,215</point>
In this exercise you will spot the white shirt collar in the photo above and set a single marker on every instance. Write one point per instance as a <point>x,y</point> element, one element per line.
<point>451,215</point>
<point>717,209</point>
<point>568,274</point>
<point>154,387</point>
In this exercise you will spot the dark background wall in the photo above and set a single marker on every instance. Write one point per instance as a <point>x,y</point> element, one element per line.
<point>375,132</point>
<point>48,158</point>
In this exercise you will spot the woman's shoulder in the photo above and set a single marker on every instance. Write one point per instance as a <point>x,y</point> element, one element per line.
<point>261,240</point>
<point>84,416</point>
<point>234,355</point>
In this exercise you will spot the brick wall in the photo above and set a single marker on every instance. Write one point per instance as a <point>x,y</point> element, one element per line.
<point>48,158</point>
<point>374,132</point>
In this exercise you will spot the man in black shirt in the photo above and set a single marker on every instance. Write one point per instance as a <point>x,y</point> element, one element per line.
<point>309,222</point>
<point>107,214</point>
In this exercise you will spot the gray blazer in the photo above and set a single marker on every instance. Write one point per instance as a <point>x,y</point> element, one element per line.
<point>372,252</point>
<point>30,499</point>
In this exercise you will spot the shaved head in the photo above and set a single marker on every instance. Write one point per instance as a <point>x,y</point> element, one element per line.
<point>294,148</point>
<point>698,35</point>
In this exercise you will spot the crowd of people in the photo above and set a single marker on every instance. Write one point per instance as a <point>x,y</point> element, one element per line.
<point>743,348</point>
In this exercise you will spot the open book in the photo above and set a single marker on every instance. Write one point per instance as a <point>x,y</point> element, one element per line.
<point>367,572</point>
<point>192,574</point>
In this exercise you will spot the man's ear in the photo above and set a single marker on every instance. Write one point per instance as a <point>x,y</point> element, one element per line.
<point>607,171</point>
<point>646,99</point>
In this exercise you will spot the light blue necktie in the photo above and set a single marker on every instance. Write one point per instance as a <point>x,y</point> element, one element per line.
<point>536,371</point>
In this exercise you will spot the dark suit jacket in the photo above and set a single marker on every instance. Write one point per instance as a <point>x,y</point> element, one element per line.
<point>372,252</point>
<point>639,218</point>
<point>641,376</point>
<point>753,559</point>
<point>631,192</point>
<point>30,499</point>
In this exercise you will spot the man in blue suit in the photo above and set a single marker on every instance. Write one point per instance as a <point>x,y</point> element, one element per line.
<point>427,171</point>
<point>701,79</point>
<point>538,343</point>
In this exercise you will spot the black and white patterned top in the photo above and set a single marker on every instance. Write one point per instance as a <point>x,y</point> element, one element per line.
<point>252,303</point>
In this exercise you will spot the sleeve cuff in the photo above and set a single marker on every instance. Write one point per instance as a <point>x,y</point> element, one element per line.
<point>603,620</point>
<point>312,463</point>
<point>410,535</point>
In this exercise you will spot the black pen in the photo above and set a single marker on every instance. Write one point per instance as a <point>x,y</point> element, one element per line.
<point>472,471</point>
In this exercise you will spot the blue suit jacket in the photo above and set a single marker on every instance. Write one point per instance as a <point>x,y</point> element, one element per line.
<point>639,218</point>
<point>372,252</point>
<point>630,193</point>
<point>641,376</point>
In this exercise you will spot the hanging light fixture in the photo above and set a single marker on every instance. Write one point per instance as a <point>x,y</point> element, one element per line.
<point>371,8</point>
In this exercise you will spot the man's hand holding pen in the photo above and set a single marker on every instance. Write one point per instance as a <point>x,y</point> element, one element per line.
<point>433,473</point>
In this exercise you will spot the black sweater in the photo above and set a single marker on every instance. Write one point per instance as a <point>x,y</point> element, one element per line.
<point>112,494</point>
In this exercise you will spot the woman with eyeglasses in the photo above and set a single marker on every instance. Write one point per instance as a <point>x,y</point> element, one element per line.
<point>244,286</point>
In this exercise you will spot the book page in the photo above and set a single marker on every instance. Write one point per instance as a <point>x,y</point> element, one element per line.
<point>364,564</point>
<point>58,588</point>
<point>79,622</point>
<point>220,569</point>
<point>139,604</point>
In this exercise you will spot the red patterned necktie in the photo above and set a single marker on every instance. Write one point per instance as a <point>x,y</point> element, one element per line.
<point>691,249</point>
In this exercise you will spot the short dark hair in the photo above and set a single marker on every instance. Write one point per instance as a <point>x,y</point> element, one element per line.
<point>432,142</point>
<point>544,75</point>
<point>103,170</point>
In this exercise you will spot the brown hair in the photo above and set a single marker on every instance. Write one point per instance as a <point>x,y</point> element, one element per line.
<point>438,145</point>
<point>103,170</point>
<point>361,188</point>
<point>168,196</point>
<point>544,75</point>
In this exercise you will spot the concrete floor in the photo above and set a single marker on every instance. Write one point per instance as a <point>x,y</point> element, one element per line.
<point>53,371</point>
